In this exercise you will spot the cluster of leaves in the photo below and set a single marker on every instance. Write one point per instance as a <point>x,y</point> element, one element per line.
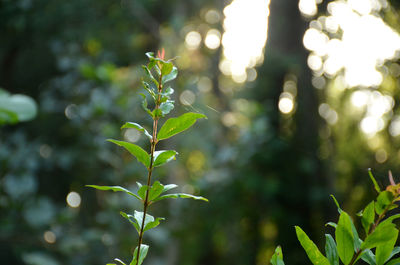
<point>377,247</point>
<point>158,73</point>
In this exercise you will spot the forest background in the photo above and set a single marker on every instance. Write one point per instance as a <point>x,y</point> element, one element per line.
<point>288,123</point>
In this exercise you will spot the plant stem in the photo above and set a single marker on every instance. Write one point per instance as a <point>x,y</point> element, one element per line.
<point>152,150</point>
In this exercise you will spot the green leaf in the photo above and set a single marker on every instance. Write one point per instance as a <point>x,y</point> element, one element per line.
<point>144,105</point>
<point>169,187</point>
<point>156,189</point>
<point>382,234</point>
<point>138,127</point>
<point>131,219</point>
<point>392,218</point>
<point>163,156</point>
<point>142,191</point>
<point>166,68</point>
<point>120,261</point>
<point>368,257</point>
<point>384,251</point>
<point>180,195</point>
<point>332,224</point>
<point>331,250</point>
<point>395,251</point>
<point>376,186</point>
<point>368,216</point>
<point>166,107</point>
<point>169,91</point>
<point>176,125</point>
<point>384,200</point>
<point>142,254</point>
<point>150,55</point>
<point>277,258</point>
<point>137,220</point>
<point>153,224</point>
<point>141,155</point>
<point>114,188</point>
<point>149,89</point>
<point>16,107</point>
<point>337,204</point>
<point>344,238</point>
<point>356,240</point>
<point>150,75</point>
<point>394,262</point>
<point>171,76</point>
<point>311,249</point>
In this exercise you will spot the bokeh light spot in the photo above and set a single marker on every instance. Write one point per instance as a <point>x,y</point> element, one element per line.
<point>381,156</point>
<point>132,135</point>
<point>187,97</point>
<point>285,105</point>
<point>213,39</point>
<point>193,40</point>
<point>73,199</point>
<point>49,237</point>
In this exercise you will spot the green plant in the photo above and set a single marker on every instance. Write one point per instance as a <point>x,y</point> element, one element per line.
<point>158,72</point>
<point>377,247</point>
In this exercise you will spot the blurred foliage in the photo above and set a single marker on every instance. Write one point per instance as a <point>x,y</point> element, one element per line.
<point>16,108</point>
<point>263,171</point>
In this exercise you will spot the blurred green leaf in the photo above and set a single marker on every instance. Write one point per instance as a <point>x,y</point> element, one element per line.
<point>277,258</point>
<point>384,200</point>
<point>383,251</point>
<point>166,68</point>
<point>311,249</point>
<point>180,195</point>
<point>337,204</point>
<point>131,219</point>
<point>16,108</point>
<point>150,75</point>
<point>150,90</point>
<point>163,156</point>
<point>394,262</point>
<point>368,216</point>
<point>114,188</point>
<point>382,234</point>
<point>376,186</point>
<point>331,250</point>
<point>137,127</point>
<point>120,261</point>
<point>166,107</point>
<point>176,125</point>
<point>344,238</point>
<point>156,189</point>
<point>142,255</point>
<point>368,257</point>
<point>141,155</point>
<point>144,105</point>
<point>171,76</point>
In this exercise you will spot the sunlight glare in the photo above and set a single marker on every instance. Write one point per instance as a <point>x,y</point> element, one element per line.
<point>366,41</point>
<point>285,104</point>
<point>213,39</point>
<point>245,25</point>
<point>308,7</point>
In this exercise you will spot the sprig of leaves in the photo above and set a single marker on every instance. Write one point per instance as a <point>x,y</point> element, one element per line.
<point>157,73</point>
<point>377,247</point>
